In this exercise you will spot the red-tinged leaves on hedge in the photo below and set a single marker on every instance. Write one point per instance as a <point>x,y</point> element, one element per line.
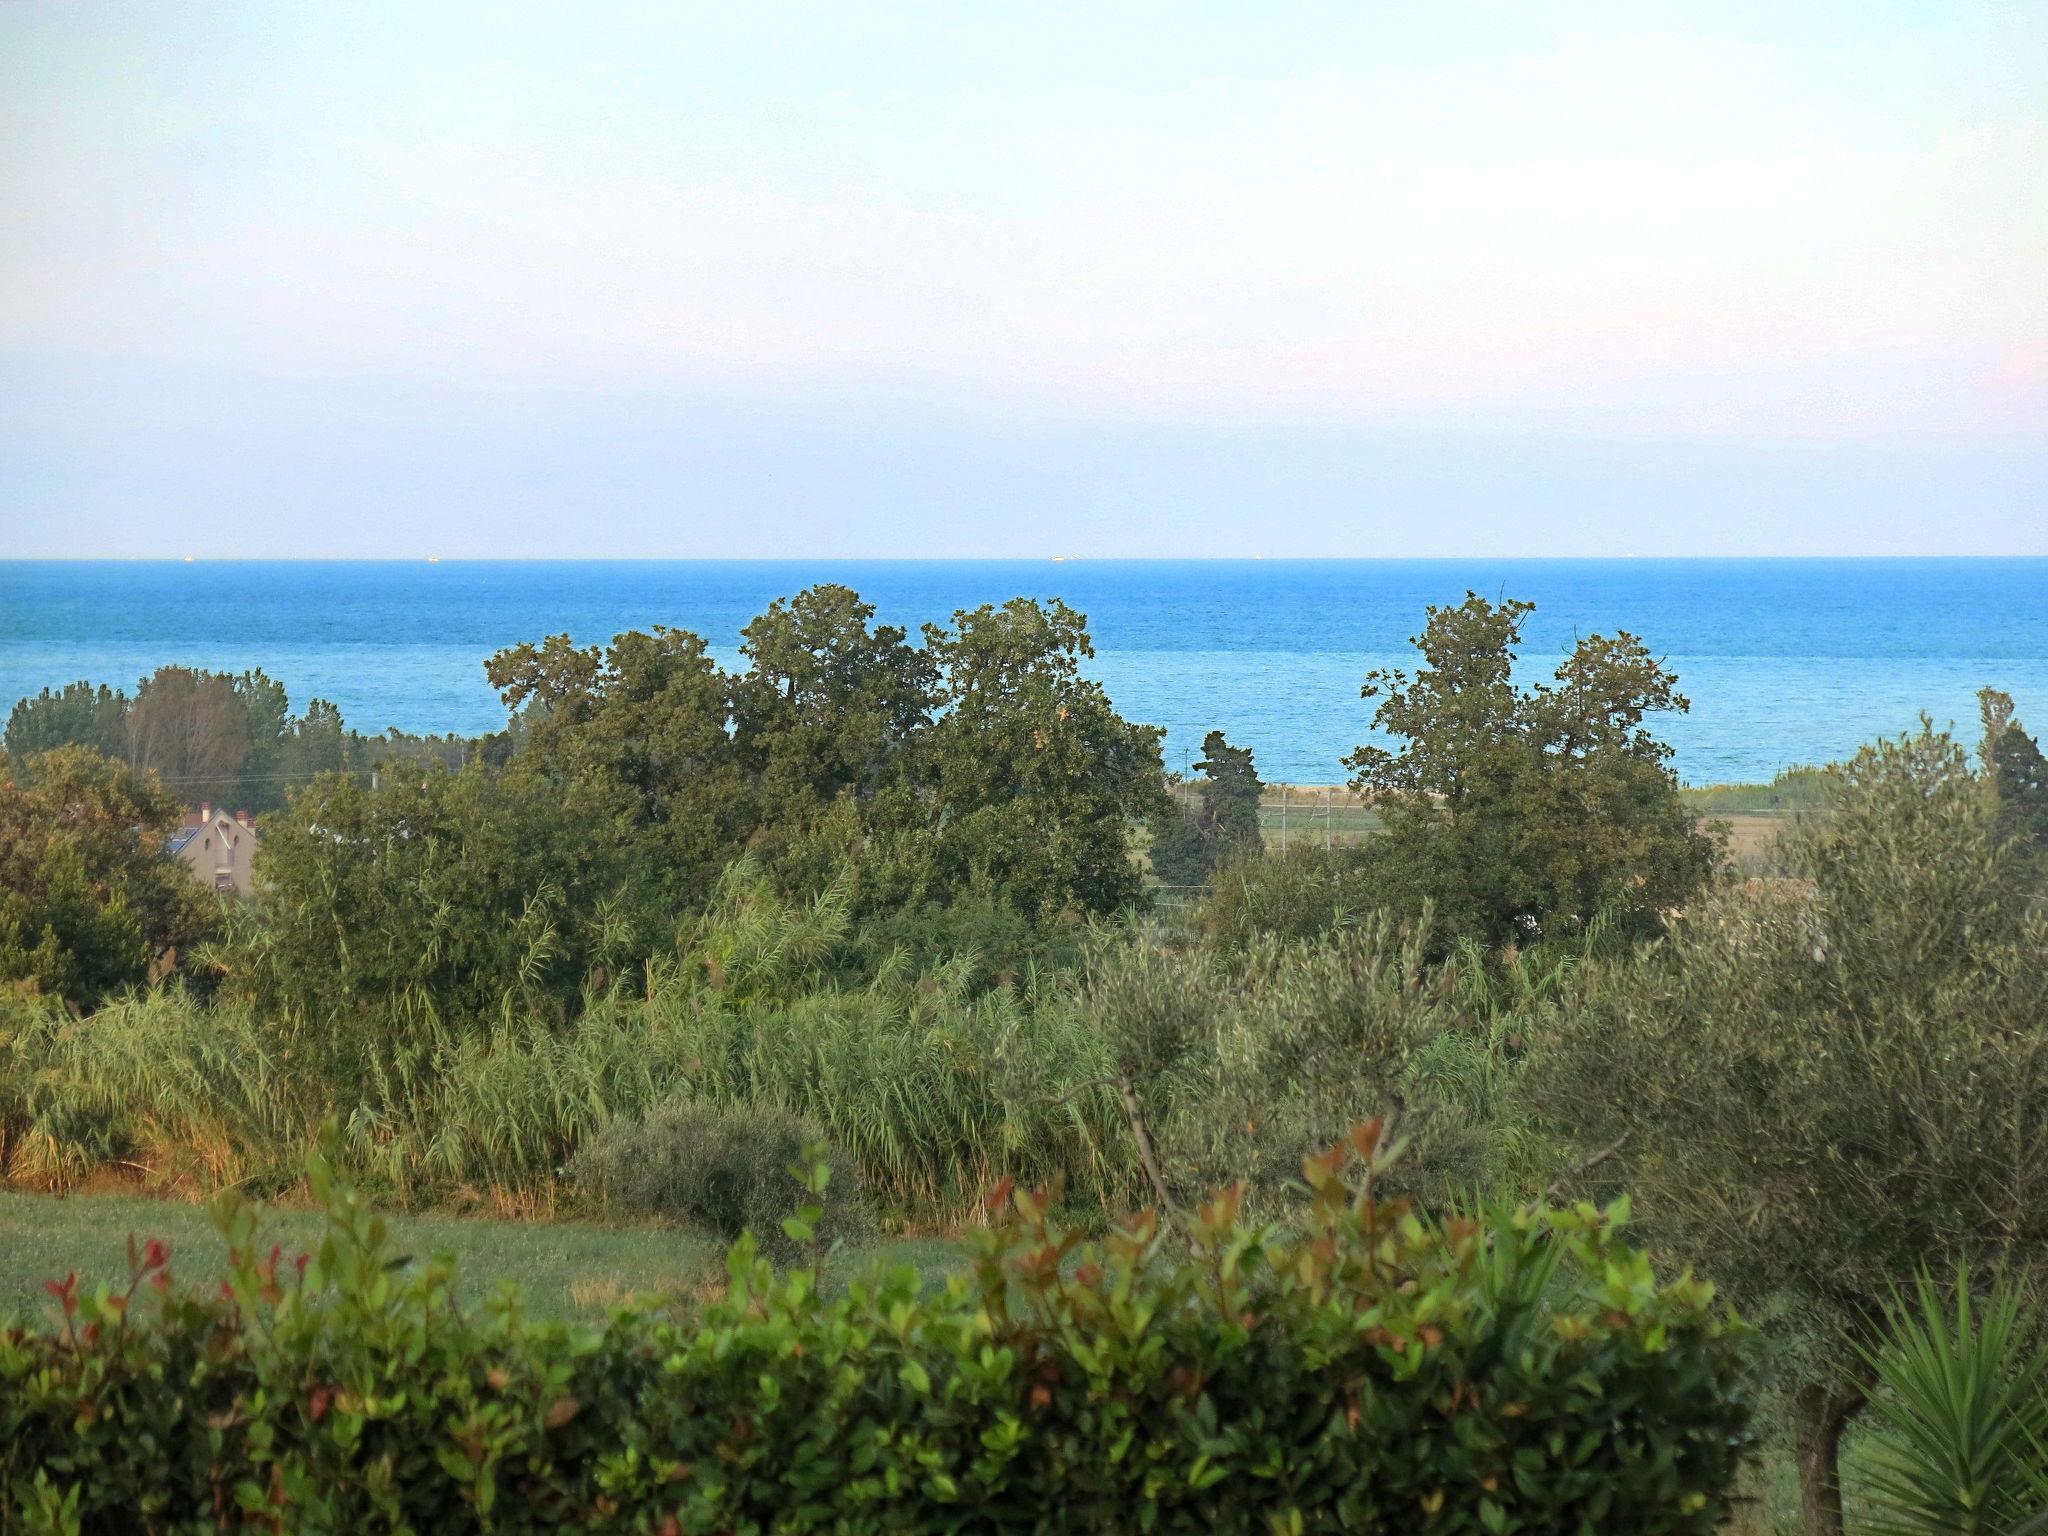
<point>561,1411</point>
<point>65,1292</point>
<point>1293,1378</point>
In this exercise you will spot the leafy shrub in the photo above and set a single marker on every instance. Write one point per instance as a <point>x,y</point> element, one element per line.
<point>935,1082</point>
<point>753,945</point>
<point>89,904</point>
<point>454,894</point>
<point>1300,892</point>
<point>976,925</point>
<point>918,1076</point>
<point>1235,1063</point>
<point>721,1167</point>
<point>1518,1372</point>
<point>927,1085</point>
<point>503,1108</point>
<point>1178,852</point>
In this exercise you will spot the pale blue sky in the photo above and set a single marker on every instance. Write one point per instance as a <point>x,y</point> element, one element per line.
<point>875,279</point>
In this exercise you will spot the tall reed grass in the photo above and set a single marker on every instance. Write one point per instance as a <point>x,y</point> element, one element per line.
<point>160,1088</point>
<point>935,1080</point>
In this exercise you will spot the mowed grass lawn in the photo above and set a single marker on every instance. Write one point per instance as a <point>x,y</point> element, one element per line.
<point>562,1268</point>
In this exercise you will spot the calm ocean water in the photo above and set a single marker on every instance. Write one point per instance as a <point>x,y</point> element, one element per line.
<point>1786,661</point>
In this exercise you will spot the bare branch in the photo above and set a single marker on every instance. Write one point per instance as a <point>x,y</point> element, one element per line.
<point>1558,1184</point>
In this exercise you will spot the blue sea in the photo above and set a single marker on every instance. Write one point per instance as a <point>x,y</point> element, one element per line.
<point>1786,661</point>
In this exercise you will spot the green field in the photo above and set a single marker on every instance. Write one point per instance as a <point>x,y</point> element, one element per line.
<point>1794,790</point>
<point>1292,815</point>
<point>563,1268</point>
<point>1330,816</point>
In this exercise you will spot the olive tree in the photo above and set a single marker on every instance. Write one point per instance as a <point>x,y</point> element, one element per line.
<point>1817,1086</point>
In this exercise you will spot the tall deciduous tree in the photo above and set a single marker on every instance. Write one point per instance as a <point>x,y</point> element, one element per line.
<point>982,759</point>
<point>191,730</point>
<point>1519,810</point>
<point>1032,776</point>
<point>89,902</point>
<point>267,726</point>
<point>634,741</point>
<point>826,707</point>
<point>208,735</point>
<point>1817,1088</point>
<point>319,743</point>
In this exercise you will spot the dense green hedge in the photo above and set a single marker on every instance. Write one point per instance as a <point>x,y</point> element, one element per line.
<point>1366,1372</point>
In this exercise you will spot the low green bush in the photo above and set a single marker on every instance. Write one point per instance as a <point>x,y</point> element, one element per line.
<point>725,1168</point>
<point>1516,1372</point>
<point>1293,893</point>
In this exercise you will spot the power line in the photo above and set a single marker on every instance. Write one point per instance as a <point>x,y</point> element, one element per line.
<point>280,778</point>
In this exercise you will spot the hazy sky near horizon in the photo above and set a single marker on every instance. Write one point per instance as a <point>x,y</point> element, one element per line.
<point>1235,278</point>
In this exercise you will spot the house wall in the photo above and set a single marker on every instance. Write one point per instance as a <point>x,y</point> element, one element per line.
<point>222,853</point>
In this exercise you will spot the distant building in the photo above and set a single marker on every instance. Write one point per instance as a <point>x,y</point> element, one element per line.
<point>219,848</point>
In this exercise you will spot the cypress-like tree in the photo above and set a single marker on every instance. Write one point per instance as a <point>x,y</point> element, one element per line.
<point>1230,797</point>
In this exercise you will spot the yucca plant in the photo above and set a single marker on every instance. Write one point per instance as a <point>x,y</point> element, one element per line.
<point>1961,1410</point>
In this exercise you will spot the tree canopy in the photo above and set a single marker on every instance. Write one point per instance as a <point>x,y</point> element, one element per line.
<point>445,892</point>
<point>980,757</point>
<point>1028,774</point>
<point>977,777</point>
<point>89,903</point>
<point>1817,1086</point>
<point>225,738</point>
<point>633,740</point>
<point>1229,792</point>
<point>1528,810</point>
<point>827,706</point>
<point>79,714</point>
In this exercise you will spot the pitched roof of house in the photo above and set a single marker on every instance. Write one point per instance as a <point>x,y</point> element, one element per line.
<point>196,823</point>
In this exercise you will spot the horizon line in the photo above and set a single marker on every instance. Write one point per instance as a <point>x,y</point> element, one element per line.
<point>843,559</point>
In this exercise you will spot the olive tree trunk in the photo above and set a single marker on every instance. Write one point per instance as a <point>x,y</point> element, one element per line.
<point>1148,1149</point>
<point>1820,1415</point>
